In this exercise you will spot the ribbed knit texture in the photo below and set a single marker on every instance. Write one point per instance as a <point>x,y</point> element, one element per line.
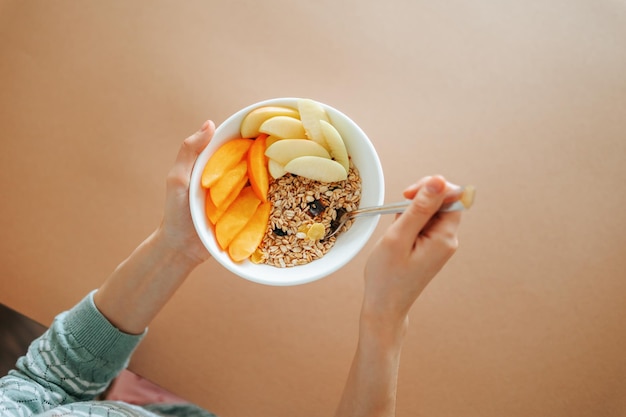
<point>72,363</point>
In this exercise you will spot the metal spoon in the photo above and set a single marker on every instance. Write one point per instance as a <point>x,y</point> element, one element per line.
<point>464,202</point>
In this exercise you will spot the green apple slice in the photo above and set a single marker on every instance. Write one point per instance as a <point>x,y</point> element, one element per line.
<point>285,150</point>
<point>253,120</point>
<point>317,168</point>
<point>276,170</point>
<point>336,145</point>
<point>283,127</point>
<point>311,112</point>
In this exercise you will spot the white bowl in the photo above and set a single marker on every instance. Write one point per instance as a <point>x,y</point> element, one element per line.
<point>348,244</point>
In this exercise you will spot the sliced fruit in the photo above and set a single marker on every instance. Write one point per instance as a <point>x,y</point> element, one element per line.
<point>250,237</point>
<point>213,212</point>
<point>257,167</point>
<point>311,112</point>
<point>283,127</point>
<point>257,256</point>
<point>236,217</point>
<point>336,145</point>
<point>271,140</point>
<point>224,159</point>
<point>285,150</point>
<point>253,120</point>
<point>276,170</point>
<point>317,169</point>
<point>223,187</point>
<point>467,197</point>
<point>316,231</point>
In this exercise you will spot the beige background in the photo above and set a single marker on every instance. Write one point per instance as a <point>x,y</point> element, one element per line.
<point>525,99</point>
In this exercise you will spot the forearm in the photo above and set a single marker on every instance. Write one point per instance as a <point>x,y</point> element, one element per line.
<point>371,386</point>
<point>141,285</point>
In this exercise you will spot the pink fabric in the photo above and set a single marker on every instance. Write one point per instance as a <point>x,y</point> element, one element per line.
<point>133,389</point>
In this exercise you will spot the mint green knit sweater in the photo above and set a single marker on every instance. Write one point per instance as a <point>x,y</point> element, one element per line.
<point>71,364</point>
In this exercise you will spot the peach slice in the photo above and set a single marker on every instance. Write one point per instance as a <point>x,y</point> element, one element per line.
<point>270,141</point>
<point>283,127</point>
<point>250,237</point>
<point>225,184</point>
<point>257,167</point>
<point>213,212</point>
<point>253,120</point>
<point>224,159</point>
<point>236,217</point>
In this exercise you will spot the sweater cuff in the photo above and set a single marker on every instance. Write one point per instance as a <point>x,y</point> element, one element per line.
<point>95,333</point>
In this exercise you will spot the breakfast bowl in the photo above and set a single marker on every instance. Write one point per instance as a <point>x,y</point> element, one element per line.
<point>363,158</point>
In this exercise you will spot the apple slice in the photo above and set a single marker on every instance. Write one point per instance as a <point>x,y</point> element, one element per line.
<point>283,127</point>
<point>270,141</point>
<point>467,197</point>
<point>285,150</point>
<point>276,170</point>
<point>224,159</point>
<point>250,237</point>
<point>253,120</point>
<point>236,217</point>
<point>336,145</point>
<point>311,112</point>
<point>317,168</point>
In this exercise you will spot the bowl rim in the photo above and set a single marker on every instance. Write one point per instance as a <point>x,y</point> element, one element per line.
<point>297,274</point>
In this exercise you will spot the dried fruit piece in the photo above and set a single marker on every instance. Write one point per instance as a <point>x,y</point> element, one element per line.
<point>279,232</point>
<point>316,232</point>
<point>257,256</point>
<point>316,207</point>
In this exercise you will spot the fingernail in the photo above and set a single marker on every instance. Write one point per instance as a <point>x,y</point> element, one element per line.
<point>435,185</point>
<point>205,126</point>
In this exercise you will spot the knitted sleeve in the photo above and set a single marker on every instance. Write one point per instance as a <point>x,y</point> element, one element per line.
<point>74,360</point>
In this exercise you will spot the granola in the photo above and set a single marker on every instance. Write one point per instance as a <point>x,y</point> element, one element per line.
<point>300,208</point>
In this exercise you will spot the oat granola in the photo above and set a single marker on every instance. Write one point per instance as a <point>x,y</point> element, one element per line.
<point>299,205</point>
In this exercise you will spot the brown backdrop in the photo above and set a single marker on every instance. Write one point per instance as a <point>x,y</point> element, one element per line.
<point>527,100</point>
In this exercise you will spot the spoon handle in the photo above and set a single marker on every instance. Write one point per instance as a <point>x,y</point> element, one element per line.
<point>399,207</point>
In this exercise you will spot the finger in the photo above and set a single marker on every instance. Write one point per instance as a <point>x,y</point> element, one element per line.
<point>194,144</point>
<point>439,238</point>
<point>424,205</point>
<point>453,191</point>
<point>189,151</point>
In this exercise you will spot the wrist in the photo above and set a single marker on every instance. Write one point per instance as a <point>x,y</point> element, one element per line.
<point>386,328</point>
<point>164,248</point>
